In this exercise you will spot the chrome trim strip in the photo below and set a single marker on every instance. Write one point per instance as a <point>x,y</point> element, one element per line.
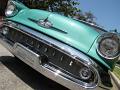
<point>93,25</point>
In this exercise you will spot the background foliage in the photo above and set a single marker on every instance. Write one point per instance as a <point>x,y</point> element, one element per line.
<point>64,7</point>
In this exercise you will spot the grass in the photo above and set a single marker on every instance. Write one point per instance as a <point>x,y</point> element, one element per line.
<point>117,71</point>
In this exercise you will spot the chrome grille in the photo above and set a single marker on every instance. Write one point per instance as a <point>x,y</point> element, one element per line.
<point>55,57</point>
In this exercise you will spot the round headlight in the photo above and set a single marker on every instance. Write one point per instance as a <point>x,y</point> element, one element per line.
<point>109,45</point>
<point>10,10</point>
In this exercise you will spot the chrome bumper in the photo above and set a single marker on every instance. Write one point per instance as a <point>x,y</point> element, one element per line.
<point>44,70</point>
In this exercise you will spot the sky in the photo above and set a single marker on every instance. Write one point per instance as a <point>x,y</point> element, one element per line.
<point>107,12</point>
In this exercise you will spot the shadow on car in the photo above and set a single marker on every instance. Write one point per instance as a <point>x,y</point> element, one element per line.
<point>31,77</point>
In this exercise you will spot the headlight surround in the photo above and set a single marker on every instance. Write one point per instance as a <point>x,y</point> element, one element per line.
<point>11,9</point>
<point>109,46</point>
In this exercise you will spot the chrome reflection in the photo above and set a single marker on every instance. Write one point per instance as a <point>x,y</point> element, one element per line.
<point>57,72</point>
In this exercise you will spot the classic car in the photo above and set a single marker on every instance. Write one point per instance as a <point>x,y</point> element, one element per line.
<point>73,53</point>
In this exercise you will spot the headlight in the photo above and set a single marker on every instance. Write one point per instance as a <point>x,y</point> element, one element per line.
<point>11,9</point>
<point>5,30</point>
<point>109,45</point>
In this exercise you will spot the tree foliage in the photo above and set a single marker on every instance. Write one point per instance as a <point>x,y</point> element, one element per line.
<point>64,7</point>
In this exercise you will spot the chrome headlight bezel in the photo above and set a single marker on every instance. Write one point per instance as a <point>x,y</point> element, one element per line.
<point>11,9</point>
<point>111,37</point>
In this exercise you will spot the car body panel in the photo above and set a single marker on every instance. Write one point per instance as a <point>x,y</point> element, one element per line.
<point>73,36</point>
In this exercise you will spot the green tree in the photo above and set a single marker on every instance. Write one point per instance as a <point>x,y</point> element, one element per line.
<point>65,7</point>
<point>89,16</point>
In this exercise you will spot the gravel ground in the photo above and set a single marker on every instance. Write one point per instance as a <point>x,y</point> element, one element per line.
<point>15,75</point>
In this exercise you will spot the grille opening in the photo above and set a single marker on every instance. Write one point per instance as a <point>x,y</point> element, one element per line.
<point>55,58</point>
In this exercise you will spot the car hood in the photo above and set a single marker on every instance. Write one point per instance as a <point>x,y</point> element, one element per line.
<point>66,30</point>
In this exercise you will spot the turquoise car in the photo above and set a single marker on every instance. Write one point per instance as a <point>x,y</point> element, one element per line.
<point>73,53</point>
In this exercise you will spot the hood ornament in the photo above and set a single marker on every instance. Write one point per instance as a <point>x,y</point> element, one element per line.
<point>45,23</point>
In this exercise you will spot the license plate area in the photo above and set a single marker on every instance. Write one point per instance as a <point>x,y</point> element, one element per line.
<point>25,54</point>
